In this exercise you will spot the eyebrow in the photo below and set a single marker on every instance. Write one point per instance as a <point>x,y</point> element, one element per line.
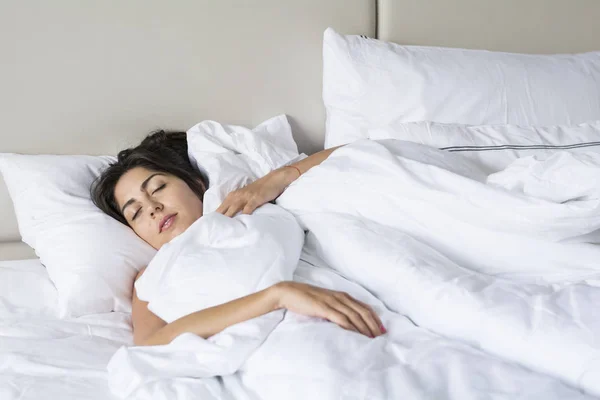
<point>142,187</point>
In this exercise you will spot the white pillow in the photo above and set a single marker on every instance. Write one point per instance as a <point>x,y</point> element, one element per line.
<point>494,147</point>
<point>91,258</point>
<point>368,83</point>
<point>26,290</point>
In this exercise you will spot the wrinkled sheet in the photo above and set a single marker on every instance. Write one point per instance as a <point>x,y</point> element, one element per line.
<point>44,357</point>
<point>485,284</point>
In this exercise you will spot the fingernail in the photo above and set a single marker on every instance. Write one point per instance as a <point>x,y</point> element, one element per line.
<point>383,330</point>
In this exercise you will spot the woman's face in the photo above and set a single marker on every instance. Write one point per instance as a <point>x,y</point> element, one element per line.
<point>157,205</point>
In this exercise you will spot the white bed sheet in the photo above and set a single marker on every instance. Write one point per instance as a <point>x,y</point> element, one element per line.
<point>44,357</point>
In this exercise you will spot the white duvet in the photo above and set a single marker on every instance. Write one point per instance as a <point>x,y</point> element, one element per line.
<point>486,285</point>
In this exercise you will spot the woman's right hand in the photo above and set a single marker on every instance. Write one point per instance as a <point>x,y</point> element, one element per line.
<point>337,307</point>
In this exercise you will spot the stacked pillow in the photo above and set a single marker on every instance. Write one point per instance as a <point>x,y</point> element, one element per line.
<point>470,101</point>
<point>494,147</point>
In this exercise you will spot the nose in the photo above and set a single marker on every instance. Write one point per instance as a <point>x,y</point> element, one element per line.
<point>154,207</point>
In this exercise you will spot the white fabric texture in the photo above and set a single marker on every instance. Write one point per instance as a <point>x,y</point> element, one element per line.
<point>216,260</point>
<point>503,271</point>
<point>43,356</point>
<point>369,83</point>
<point>219,259</point>
<point>46,357</point>
<point>311,358</point>
<point>91,258</point>
<point>232,156</point>
<point>494,147</point>
<point>499,283</point>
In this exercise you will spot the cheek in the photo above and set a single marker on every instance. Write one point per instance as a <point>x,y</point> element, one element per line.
<point>191,203</point>
<point>144,230</point>
<point>197,203</point>
<point>197,206</point>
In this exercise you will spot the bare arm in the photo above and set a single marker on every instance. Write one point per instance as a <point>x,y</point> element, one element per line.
<point>270,186</point>
<point>144,322</point>
<point>148,329</point>
<point>315,159</point>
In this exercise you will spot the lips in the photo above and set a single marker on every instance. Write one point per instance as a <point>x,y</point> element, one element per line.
<point>166,222</point>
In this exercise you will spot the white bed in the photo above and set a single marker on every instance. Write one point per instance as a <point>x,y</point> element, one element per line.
<point>43,356</point>
<point>93,79</point>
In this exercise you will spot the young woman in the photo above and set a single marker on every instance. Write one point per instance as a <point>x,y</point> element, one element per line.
<point>154,189</point>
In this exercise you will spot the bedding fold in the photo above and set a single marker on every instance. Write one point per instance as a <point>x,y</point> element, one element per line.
<point>216,260</point>
<point>500,269</point>
<point>486,284</point>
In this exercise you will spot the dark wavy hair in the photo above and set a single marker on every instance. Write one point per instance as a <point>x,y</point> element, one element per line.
<point>160,151</point>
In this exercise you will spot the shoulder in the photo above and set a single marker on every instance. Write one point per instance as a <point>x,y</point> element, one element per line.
<point>139,274</point>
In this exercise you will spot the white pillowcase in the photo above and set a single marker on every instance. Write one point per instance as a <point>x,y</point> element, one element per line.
<point>369,83</point>
<point>91,258</point>
<point>494,147</point>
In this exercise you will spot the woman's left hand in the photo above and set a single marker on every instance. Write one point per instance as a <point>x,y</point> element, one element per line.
<point>259,192</point>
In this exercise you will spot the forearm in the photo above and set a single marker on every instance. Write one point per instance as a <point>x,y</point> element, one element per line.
<point>269,187</point>
<point>291,174</point>
<point>313,160</point>
<point>210,321</point>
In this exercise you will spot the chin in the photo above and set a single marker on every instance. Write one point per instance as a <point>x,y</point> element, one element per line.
<point>176,232</point>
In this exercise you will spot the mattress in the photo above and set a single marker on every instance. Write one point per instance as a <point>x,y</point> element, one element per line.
<point>44,357</point>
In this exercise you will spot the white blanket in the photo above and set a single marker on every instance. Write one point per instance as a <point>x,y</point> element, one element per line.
<point>216,260</point>
<point>464,257</point>
<point>496,273</point>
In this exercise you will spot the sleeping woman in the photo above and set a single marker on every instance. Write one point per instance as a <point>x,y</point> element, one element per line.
<point>154,189</point>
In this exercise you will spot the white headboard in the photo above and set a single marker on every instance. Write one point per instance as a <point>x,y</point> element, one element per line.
<point>95,77</point>
<point>520,26</point>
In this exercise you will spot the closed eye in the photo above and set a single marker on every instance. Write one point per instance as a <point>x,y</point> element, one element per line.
<point>159,188</point>
<point>136,214</point>
<point>140,209</point>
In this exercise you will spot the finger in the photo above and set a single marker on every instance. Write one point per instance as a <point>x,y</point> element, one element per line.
<point>352,316</point>
<point>248,209</point>
<point>374,315</point>
<point>340,319</point>
<point>227,202</point>
<point>222,208</point>
<point>232,210</point>
<point>364,312</point>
